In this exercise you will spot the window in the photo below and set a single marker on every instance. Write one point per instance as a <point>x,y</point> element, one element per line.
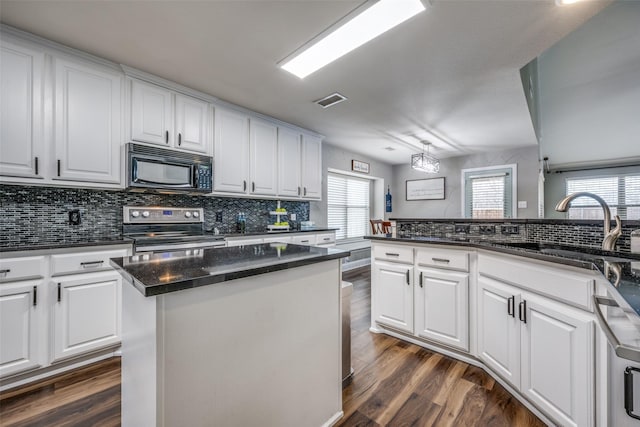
<point>347,205</point>
<point>489,192</point>
<point>622,194</point>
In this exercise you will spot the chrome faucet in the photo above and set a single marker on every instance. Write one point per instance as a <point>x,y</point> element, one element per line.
<point>610,236</point>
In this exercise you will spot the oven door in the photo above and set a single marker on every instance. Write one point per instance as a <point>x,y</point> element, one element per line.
<point>161,173</point>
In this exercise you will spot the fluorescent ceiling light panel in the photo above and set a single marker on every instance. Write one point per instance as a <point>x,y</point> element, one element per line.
<point>342,38</point>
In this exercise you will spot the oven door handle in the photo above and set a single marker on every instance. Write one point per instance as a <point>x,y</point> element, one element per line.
<point>622,350</point>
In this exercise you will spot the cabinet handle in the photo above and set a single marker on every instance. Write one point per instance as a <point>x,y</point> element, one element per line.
<point>326,239</point>
<point>179,139</point>
<point>253,187</point>
<point>244,185</point>
<point>522,311</point>
<point>298,191</point>
<point>408,279</point>
<point>420,279</point>
<point>305,191</point>
<point>5,271</point>
<point>59,293</point>
<point>166,137</point>
<point>304,241</point>
<point>58,167</point>
<point>35,296</point>
<point>90,263</point>
<point>510,306</point>
<point>446,261</point>
<point>391,254</point>
<point>628,391</point>
<point>36,165</point>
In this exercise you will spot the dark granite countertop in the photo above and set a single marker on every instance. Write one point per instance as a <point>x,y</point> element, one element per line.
<point>622,270</point>
<point>174,271</point>
<point>67,242</point>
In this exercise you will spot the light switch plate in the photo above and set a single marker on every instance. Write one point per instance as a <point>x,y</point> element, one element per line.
<point>293,217</point>
<point>522,204</point>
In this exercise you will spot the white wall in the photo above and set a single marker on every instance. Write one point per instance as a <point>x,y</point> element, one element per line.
<point>338,158</point>
<point>450,168</point>
<point>589,90</point>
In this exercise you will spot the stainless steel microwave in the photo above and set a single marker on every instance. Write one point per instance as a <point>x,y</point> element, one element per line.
<point>162,170</point>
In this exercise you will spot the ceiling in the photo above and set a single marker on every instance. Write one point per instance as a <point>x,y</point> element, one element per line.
<point>449,75</point>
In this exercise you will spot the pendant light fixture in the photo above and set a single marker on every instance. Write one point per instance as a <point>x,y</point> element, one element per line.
<point>424,162</point>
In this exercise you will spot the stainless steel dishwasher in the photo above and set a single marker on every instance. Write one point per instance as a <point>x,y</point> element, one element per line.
<point>347,290</point>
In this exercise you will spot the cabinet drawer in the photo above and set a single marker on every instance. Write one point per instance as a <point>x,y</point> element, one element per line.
<point>21,268</point>
<point>449,259</point>
<point>304,239</point>
<point>393,253</point>
<point>83,262</point>
<point>325,239</point>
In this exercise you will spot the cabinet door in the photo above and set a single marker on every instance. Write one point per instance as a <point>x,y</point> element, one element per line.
<point>21,327</point>
<point>87,123</point>
<point>86,313</point>
<point>499,328</point>
<point>192,124</point>
<point>231,152</point>
<point>311,167</point>
<point>557,361</point>
<point>21,138</point>
<point>442,307</point>
<point>289,163</point>
<point>392,284</point>
<point>264,157</point>
<point>151,114</point>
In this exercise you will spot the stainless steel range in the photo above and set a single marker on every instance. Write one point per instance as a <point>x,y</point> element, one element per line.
<point>161,229</point>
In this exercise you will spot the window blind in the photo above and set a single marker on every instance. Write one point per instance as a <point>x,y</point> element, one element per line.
<point>488,194</point>
<point>622,194</point>
<point>347,205</point>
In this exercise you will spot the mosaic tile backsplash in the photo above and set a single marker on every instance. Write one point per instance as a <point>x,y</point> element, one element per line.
<point>33,215</point>
<point>530,230</point>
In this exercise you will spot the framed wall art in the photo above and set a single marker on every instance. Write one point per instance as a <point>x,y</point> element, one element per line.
<point>425,189</point>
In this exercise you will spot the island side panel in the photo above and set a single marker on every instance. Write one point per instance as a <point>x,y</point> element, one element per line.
<point>263,350</point>
<point>139,359</point>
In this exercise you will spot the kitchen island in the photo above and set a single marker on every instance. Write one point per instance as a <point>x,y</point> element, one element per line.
<point>245,335</point>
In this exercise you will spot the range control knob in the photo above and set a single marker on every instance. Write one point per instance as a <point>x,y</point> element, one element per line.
<point>135,214</point>
<point>187,214</point>
<point>196,214</point>
<point>145,214</point>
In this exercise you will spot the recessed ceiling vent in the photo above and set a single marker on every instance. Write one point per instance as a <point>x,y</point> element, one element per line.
<point>389,148</point>
<point>333,99</point>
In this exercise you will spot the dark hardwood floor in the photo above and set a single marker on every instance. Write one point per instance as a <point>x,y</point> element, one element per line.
<point>395,383</point>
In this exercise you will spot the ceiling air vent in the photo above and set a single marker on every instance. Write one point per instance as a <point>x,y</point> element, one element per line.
<point>389,148</point>
<point>333,99</point>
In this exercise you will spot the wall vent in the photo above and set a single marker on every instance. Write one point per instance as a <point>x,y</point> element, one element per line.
<point>333,99</point>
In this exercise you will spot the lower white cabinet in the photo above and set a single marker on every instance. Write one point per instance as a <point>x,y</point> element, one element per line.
<point>86,313</point>
<point>22,327</point>
<point>442,307</point>
<point>393,295</point>
<point>543,348</point>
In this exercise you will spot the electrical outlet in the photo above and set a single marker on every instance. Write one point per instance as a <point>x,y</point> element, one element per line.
<point>293,217</point>
<point>74,217</point>
<point>510,229</point>
<point>219,216</point>
<point>461,228</point>
<point>487,229</point>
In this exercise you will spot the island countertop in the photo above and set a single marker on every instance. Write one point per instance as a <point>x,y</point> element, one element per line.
<point>161,273</point>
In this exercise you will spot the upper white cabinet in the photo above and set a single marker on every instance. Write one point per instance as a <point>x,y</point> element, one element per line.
<point>87,122</point>
<point>231,151</point>
<point>311,167</point>
<point>289,162</point>
<point>21,115</point>
<point>263,164</point>
<point>163,117</point>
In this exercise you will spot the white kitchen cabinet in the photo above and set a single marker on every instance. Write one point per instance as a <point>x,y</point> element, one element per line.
<point>263,163</point>
<point>22,327</point>
<point>163,117</point>
<point>86,313</point>
<point>244,241</point>
<point>393,295</point>
<point>305,239</point>
<point>442,307</point>
<point>311,171</point>
<point>88,133</point>
<point>231,151</point>
<point>21,111</point>
<point>289,169</point>
<point>499,328</point>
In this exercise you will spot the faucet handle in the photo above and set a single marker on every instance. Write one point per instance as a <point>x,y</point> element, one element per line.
<point>609,242</point>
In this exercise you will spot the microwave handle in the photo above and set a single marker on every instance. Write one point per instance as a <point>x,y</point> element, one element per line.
<point>164,184</point>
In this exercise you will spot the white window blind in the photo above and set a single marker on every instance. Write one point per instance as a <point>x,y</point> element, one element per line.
<point>622,194</point>
<point>488,193</point>
<point>347,205</point>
